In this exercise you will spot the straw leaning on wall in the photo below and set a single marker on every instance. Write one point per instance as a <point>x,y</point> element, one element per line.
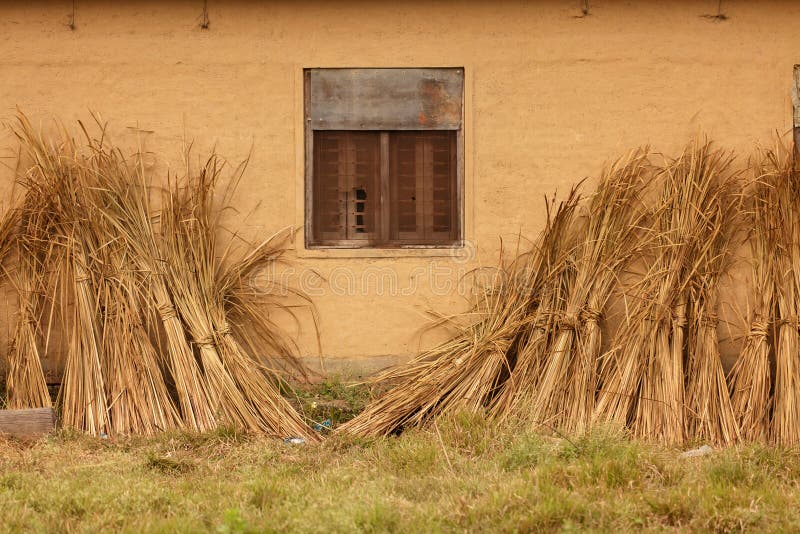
<point>642,377</point>
<point>184,275</point>
<point>143,303</point>
<point>124,205</point>
<point>534,353</point>
<point>543,284</point>
<point>709,415</point>
<point>68,241</point>
<point>196,273</point>
<point>785,219</point>
<point>565,393</point>
<point>750,378</point>
<point>25,384</point>
<point>140,401</point>
<point>466,373</point>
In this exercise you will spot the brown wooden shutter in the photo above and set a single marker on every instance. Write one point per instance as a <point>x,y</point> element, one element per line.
<point>423,187</point>
<point>346,186</point>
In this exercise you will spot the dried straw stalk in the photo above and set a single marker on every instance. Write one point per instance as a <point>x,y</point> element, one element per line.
<point>565,393</point>
<point>642,376</point>
<point>750,378</point>
<point>785,219</point>
<point>25,385</point>
<point>477,367</point>
<point>709,414</point>
<point>246,397</point>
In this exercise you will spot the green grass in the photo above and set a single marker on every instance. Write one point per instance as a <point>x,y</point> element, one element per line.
<point>463,475</point>
<point>331,400</point>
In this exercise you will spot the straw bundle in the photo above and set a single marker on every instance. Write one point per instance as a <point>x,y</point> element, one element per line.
<point>544,282</point>
<point>83,400</point>
<point>785,219</point>
<point>565,393</point>
<point>122,200</point>
<point>750,378</point>
<point>144,303</point>
<point>642,376</point>
<point>186,271</point>
<point>467,373</point>
<point>50,175</point>
<point>189,245</point>
<point>139,402</point>
<point>25,384</point>
<point>709,414</point>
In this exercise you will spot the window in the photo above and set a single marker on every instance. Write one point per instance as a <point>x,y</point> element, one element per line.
<point>384,152</point>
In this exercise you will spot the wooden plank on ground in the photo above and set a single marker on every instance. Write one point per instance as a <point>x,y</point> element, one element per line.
<point>27,424</point>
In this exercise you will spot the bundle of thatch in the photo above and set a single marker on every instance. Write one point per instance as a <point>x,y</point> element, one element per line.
<point>534,353</point>
<point>141,401</point>
<point>466,373</point>
<point>781,175</point>
<point>202,284</point>
<point>750,378</point>
<point>66,239</point>
<point>122,200</point>
<point>25,384</point>
<point>143,303</point>
<point>548,278</point>
<point>564,394</point>
<point>642,379</point>
<point>709,414</point>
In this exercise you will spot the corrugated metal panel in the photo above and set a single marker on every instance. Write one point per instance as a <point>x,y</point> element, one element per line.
<point>384,99</point>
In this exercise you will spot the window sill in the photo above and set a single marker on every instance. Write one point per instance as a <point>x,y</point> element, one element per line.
<point>409,251</point>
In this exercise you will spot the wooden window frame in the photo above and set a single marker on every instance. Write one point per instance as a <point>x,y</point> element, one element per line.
<point>424,220</point>
<point>382,239</point>
<point>346,201</point>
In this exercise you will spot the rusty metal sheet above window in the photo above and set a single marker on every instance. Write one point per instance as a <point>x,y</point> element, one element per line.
<point>384,99</point>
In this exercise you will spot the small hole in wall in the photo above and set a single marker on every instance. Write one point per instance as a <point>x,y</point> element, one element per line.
<point>361,197</point>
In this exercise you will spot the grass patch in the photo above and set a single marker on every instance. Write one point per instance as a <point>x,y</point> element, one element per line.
<point>465,475</point>
<point>169,465</point>
<point>332,402</point>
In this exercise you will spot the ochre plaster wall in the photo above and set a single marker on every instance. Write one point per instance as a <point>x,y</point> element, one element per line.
<point>550,98</point>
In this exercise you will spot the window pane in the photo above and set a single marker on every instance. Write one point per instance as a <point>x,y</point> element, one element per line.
<point>346,185</point>
<point>423,178</point>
